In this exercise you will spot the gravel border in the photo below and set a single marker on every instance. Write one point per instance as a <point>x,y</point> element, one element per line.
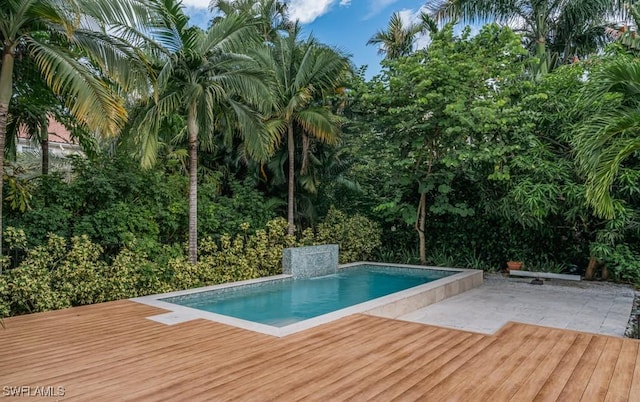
<point>633,326</point>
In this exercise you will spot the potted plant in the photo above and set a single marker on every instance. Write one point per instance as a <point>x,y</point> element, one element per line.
<point>516,261</point>
<point>514,265</point>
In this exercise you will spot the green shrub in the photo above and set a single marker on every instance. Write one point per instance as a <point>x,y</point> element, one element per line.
<point>356,235</point>
<point>5,301</point>
<point>246,256</point>
<point>30,291</point>
<point>79,277</point>
<point>624,264</point>
<point>133,274</point>
<point>58,274</point>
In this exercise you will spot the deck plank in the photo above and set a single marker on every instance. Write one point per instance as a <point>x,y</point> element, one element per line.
<point>554,372</point>
<point>386,373</point>
<point>530,366</point>
<point>634,392</point>
<point>461,384</point>
<point>580,376</point>
<point>622,377</point>
<point>111,351</point>
<point>601,377</point>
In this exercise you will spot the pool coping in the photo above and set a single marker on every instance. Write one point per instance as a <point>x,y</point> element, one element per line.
<point>390,306</point>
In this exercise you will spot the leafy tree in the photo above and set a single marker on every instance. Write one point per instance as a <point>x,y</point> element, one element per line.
<point>210,78</point>
<point>554,31</point>
<point>439,109</point>
<point>52,34</point>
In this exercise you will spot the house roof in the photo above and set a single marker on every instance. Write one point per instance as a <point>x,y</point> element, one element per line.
<point>58,133</point>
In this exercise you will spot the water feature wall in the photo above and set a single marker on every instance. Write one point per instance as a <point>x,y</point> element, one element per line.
<point>310,261</point>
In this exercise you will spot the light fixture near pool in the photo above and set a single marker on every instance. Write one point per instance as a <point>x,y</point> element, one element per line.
<point>284,304</point>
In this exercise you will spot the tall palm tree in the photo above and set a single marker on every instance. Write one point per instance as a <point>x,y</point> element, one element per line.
<point>205,77</point>
<point>398,39</point>
<point>610,137</point>
<point>554,30</point>
<point>304,71</point>
<point>270,16</point>
<point>53,34</point>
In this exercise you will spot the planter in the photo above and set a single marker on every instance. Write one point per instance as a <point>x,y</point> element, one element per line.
<point>514,265</point>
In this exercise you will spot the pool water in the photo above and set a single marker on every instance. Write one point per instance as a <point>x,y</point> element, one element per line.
<point>284,302</point>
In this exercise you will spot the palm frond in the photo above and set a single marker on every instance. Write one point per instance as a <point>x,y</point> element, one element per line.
<point>319,122</point>
<point>611,136</point>
<point>92,100</point>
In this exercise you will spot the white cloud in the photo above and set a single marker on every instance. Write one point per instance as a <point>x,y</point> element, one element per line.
<point>307,11</point>
<point>413,17</point>
<point>377,6</point>
<point>196,3</point>
<point>408,16</point>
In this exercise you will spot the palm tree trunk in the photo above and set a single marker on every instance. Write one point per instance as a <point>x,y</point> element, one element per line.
<point>420,226</point>
<point>44,146</point>
<point>6,89</point>
<point>591,268</point>
<point>541,54</point>
<point>291,148</point>
<point>192,127</point>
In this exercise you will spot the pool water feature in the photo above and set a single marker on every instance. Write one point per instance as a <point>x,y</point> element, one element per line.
<point>280,305</point>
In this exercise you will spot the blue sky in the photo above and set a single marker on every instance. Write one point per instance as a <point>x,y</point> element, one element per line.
<point>346,24</point>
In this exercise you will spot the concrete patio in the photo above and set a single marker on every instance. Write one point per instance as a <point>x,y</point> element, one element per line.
<point>601,308</point>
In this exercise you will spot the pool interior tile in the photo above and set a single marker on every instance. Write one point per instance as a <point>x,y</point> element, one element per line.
<point>390,306</point>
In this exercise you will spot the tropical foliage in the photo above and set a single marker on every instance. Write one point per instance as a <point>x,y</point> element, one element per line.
<point>52,36</point>
<point>477,149</point>
<point>211,80</point>
<point>556,32</point>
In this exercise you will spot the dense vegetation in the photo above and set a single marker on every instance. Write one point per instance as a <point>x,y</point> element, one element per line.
<point>473,151</point>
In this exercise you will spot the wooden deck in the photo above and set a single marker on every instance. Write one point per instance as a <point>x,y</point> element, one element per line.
<point>110,352</point>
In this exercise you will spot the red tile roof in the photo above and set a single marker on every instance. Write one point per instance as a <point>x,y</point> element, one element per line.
<point>57,133</point>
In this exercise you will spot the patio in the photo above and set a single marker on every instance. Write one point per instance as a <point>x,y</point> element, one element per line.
<point>110,351</point>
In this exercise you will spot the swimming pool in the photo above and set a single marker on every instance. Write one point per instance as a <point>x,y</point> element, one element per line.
<point>281,305</point>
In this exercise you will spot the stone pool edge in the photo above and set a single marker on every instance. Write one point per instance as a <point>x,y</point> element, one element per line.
<point>390,306</point>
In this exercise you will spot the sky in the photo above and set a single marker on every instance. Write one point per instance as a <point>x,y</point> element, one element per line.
<point>345,24</point>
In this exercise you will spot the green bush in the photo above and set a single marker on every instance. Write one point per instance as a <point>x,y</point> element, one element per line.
<point>60,274</point>
<point>57,274</point>
<point>624,264</point>
<point>79,277</point>
<point>357,236</point>
<point>29,291</point>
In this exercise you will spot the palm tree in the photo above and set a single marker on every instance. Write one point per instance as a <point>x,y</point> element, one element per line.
<point>32,106</point>
<point>270,16</point>
<point>554,30</point>
<point>52,34</point>
<point>204,77</point>
<point>627,34</point>
<point>610,137</point>
<point>304,72</point>
<point>398,39</point>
